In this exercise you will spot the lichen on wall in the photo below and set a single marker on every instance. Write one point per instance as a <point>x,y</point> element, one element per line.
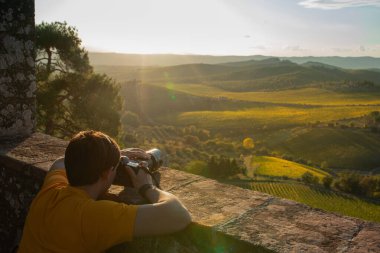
<point>17,70</point>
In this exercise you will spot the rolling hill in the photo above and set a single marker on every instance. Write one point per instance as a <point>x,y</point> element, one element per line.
<point>114,59</point>
<point>287,107</point>
<point>253,75</point>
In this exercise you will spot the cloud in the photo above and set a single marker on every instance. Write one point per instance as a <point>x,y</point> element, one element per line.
<point>342,50</point>
<point>293,48</point>
<point>337,4</point>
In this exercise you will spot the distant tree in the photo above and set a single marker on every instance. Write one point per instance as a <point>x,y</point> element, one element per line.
<point>203,134</point>
<point>212,166</point>
<point>191,140</point>
<point>197,167</point>
<point>324,165</point>
<point>234,167</point>
<point>349,182</point>
<point>309,178</point>
<point>224,167</point>
<point>130,119</point>
<point>70,97</point>
<point>248,143</point>
<point>327,181</point>
<point>129,139</point>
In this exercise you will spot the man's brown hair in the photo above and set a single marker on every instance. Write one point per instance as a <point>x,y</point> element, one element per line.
<point>88,155</point>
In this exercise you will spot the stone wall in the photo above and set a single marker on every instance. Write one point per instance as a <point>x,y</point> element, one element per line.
<point>225,218</point>
<point>17,73</point>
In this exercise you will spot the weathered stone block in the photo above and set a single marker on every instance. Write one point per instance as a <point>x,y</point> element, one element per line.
<point>17,71</point>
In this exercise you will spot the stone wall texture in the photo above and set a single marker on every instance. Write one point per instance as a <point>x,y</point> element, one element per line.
<point>17,71</point>
<point>225,218</point>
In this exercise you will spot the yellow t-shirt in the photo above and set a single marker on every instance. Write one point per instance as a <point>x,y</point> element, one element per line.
<point>65,219</point>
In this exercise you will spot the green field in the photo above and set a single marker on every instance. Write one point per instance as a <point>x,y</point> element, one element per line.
<point>323,199</point>
<point>309,96</point>
<point>277,167</point>
<point>277,116</point>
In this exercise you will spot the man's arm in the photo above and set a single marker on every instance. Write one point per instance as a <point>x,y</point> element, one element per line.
<point>58,164</point>
<point>165,215</point>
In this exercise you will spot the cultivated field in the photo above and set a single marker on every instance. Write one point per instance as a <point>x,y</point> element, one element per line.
<point>352,149</point>
<point>320,198</point>
<point>277,167</point>
<point>304,96</point>
<point>268,116</point>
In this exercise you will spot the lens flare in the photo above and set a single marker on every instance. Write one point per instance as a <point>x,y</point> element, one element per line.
<point>170,87</point>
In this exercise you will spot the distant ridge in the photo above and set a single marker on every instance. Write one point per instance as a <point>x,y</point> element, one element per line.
<point>118,59</point>
<point>251,75</point>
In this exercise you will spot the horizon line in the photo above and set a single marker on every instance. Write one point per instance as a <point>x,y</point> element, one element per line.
<point>229,55</point>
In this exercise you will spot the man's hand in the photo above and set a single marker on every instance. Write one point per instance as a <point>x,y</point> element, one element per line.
<point>140,179</point>
<point>135,154</point>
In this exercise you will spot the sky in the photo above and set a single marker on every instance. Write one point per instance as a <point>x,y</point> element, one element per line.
<point>222,27</point>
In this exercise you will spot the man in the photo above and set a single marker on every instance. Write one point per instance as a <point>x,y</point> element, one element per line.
<point>66,215</point>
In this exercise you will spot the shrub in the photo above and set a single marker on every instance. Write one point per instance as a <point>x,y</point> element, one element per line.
<point>129,139</point>
<point>324,165</point>
<point>327,181</point>
<point>203,134</point>
<point>309,178</point>
<point>130,119</point>
<point>196,167</point>
<point>191,140</point>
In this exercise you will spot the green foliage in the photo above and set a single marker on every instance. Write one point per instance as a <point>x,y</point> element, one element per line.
<point>197,167</point>
<point>358,184</point>
<point>70,97</point>
<point>191,140</point>
<point>248,143</point>
<point>309,178</point>
<point>327,181</point>
<point>222,167</point>
<point>129,139</point>
<point>58,50</point>
<point>130,119</point>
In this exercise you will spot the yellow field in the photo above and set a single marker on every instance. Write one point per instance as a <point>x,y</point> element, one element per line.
<point>269,115</point>
<point>272,166</point>
<point>309,96</point>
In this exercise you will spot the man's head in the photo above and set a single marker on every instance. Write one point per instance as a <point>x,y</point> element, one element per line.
<point>89,157</point>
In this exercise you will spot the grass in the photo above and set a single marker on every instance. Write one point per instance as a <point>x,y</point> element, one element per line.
<point>320,198</point>
<point>277,167</point>
<point>277,116</point>
<point>309,96</point>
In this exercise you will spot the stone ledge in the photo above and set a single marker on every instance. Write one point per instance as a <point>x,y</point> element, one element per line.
<point>226,218</point>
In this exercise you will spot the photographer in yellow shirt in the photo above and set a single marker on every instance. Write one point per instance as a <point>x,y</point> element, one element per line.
<point>66,215</point>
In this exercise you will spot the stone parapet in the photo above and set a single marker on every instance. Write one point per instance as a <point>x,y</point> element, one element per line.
<point>225,218</point>
<point>17,71</point>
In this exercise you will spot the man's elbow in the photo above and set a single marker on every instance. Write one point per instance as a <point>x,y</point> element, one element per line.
<point>185,219</point>
<point>182,218</point>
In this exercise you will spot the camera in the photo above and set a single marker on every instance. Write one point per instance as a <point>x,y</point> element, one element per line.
<point>150,166</point>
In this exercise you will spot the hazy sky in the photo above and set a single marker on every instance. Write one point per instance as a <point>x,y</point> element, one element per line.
<point>222,27</point>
